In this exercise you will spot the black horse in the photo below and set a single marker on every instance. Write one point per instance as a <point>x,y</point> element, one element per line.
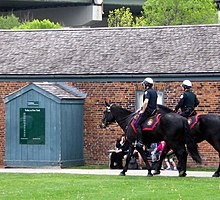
<point>207,128</point>
<point>172,128</point>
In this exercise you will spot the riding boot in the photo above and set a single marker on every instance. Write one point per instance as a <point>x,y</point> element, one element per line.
<point>139,138</point>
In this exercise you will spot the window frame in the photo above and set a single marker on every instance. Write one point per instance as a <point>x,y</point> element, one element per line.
<point>139,98</point>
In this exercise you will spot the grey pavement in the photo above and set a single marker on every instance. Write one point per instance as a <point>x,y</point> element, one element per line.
<point>102,172</point>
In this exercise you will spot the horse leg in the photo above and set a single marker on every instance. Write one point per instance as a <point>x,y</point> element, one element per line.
<point>217,173</point>
<point>181,155</point>
<point>160,161</point>
<point>144,157</point>
<point>128,158</point>
<point>216,145</point>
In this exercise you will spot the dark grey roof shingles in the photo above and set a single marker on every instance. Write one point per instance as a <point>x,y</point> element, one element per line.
<point>177,49</point>
<point>56,89</point>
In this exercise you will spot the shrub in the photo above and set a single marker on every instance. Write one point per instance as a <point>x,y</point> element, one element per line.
<point>37,24</point>
<point>8,22</point>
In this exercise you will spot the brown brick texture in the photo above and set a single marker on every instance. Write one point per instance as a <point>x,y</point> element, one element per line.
<point>5,89</point>
<point>98,141</point>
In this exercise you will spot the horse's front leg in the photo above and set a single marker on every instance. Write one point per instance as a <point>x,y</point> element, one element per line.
<point>217,173</point>
<point>144,157</point>
<point>128,158</point>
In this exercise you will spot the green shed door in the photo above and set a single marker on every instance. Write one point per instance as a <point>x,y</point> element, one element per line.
<point>32,125</point>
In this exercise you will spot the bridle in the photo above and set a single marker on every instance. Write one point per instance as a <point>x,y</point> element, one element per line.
<point>105,123</point>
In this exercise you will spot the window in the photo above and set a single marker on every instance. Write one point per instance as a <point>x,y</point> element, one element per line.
<point>139,98</point>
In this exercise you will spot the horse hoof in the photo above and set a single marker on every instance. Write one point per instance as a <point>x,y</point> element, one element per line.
<point>182,174</point>
<point>122,174</point>
<point>149,175</point>
<point>156,172</point>
<point>216,175</point>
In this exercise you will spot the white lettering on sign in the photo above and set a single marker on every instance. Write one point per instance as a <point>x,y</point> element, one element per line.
<point>24,124</point>
<point>32,110</point>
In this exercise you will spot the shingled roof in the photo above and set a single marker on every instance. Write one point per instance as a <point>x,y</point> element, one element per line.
<point>166,50</point>
<point>59,90</point>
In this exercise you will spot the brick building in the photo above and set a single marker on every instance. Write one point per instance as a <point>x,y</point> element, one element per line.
<point>109,64</point>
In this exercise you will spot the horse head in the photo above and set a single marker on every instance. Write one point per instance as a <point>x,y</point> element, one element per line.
<point>115,113</point>
<point>108,117</point>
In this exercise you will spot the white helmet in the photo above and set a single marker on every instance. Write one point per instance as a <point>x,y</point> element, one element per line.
<point>187,84</point>
<point>148,81</point>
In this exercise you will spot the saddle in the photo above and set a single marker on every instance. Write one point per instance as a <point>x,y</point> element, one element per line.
<point>147,125</point>
<point>192,121</point>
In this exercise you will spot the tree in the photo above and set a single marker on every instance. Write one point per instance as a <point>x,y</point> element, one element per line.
<point>167,12</point>
<point>121,17</point>
<point>8,22</point>
<point>177,12</point>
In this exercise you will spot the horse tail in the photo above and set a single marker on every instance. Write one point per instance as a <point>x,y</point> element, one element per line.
<point>191,145</point>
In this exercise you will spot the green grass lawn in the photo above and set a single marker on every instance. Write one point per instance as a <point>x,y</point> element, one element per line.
<point>99,187</point>
<point>107,167</point>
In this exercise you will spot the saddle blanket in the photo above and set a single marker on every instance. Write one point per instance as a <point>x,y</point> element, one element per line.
<point>192,121</point>
<point>148,125</point>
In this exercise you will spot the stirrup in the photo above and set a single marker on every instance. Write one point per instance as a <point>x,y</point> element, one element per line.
<point>139,145</point>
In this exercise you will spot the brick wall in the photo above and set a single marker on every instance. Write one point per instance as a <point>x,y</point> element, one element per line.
<point>208,94</point>
<point>5,89</point>
<point>98,141</point>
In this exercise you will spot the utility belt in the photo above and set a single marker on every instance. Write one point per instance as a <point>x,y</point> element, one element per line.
<point>188,109</point>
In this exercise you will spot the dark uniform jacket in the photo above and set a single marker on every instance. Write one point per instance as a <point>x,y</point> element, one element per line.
<point>151,95</point>
<point>187,103</point>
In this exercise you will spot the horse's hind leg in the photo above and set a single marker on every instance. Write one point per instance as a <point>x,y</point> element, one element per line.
<point>144,157</point>
<point>181,155</point>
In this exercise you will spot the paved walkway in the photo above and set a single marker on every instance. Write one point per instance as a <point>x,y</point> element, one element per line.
<point>102,172</point>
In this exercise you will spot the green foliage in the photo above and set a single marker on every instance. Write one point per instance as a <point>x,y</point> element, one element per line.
<point>37,24</point>
<point>8,22</point>
<point>167,12</point>
<point>120,17</point>
<point>178,12</point>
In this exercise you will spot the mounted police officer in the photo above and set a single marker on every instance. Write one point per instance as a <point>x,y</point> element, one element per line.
<point>149,106</point>
<point>188,100</point>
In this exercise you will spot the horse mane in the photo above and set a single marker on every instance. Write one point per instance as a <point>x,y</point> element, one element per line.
<point>122,114</point>
<point>123,111</point>
<point>163,109</point>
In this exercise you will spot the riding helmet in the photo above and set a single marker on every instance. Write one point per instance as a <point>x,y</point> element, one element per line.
<point>187,84</point>
<point>148,82</point>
